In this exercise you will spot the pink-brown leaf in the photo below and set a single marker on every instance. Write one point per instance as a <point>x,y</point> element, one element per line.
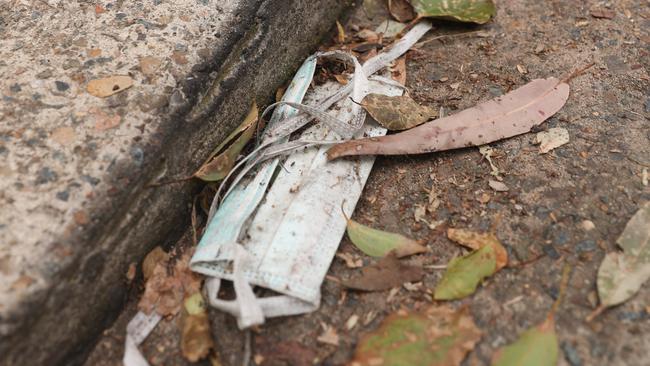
<point>509,115</point>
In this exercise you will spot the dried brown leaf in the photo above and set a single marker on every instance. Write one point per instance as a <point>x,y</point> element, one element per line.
<point>157,255</point>
<point>389,272</point>
<point>165,290</point>
<point>106,87</point>
<point>602,13</point>
<point>509,115</point>
<point>397,112</point>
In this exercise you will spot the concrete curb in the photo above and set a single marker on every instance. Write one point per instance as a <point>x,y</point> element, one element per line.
<point>61,311</point>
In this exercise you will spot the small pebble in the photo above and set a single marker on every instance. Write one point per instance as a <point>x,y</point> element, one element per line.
<point>571,354</point>
<point>63,195</point>
<point>586,246</point>
<point>587,225</point>
<point>46,175</point>
<point>61,86</point>
<point>551,252</point>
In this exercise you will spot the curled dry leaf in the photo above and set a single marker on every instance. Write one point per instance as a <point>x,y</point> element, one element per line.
<point>397,112</point>
<point>602,13</point>
<point>621,274</point>
<point>401,10</point>
<point>157,255</point>
<point>475,241</point>
<point>378,243</point>
<point>473,11</point>
<point>464,274</point>
<point>340,33</point>
<point>106,87</point>
<point>223,158</point>
<point>389,272</point>
<point>498,186</point>
<point>165,290</point>
<point>437,336</point>
<point>509,115</point>
<point>196,338</point>
<point>537,346</point>
<point>368,35</point>
<point>551,139</point>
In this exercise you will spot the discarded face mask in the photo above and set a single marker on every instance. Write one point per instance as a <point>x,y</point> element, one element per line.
<point>287,242</point>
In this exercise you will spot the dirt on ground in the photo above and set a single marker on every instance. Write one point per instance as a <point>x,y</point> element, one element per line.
<point>567,206</point>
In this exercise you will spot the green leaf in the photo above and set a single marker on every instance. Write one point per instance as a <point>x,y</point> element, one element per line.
<point>194,304</point>
<point>621,275</point>
<point>222,159</point>
<point>474,11</point>
<point>397,112</point>
<point>437,336</point>
<point>378,243</point>
<point>464,274</point>
<point>537,346</point>
<point>474,240</point>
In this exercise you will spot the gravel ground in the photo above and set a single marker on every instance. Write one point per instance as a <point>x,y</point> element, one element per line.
<point>547,213</point>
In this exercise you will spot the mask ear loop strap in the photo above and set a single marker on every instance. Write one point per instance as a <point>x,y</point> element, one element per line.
<point>247,308</point>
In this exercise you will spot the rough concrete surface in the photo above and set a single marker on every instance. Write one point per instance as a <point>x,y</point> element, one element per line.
<point>75,209</point>
<point>569,205</point>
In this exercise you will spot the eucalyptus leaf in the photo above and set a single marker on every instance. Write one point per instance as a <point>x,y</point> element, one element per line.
<point>508,115</point>
<point>437,336</point>
<point>223,158</point>
<point>378,243</point>
<point>473,11</point>
<point>621,275</point>
<point>537,346</point>
<point>397,112</point>
<point>464,274</point>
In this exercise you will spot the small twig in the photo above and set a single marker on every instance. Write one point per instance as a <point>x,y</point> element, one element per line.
<point>595,313</point>
<point>355,102</point>
<point>164,183</point>
<point>333,279</point>
<point>435,266</point>
<point>247,348</point>
<point>564,283</point>
<point>343,211</point>
<point>194,222</point>
<point>513,301</point>
<point>577,73</point>
<point>525,263</point>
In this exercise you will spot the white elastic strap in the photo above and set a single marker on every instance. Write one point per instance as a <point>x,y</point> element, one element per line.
<point>249,309</point>
<point>137,331</point>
